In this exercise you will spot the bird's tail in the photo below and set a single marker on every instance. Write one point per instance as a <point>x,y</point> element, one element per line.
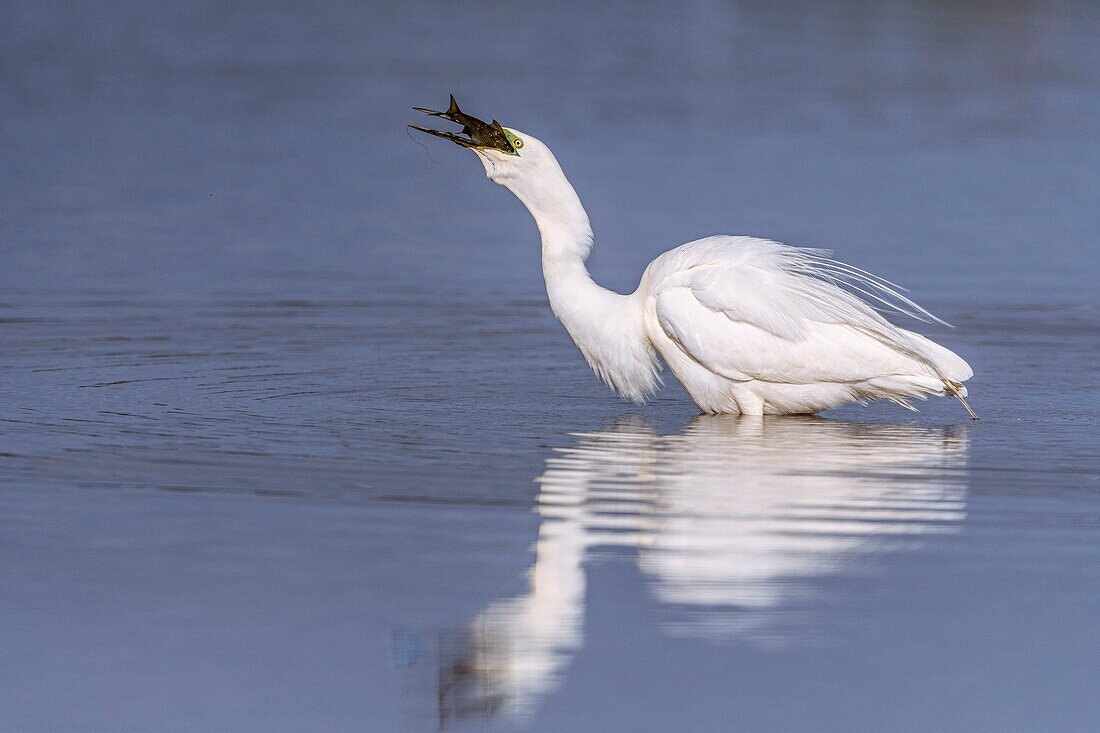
<point>946,364</point>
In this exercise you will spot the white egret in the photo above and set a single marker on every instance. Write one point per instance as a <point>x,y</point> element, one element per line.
<point>749,326</point>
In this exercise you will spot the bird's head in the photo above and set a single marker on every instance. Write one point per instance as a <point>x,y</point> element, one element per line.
<point>507,154</point>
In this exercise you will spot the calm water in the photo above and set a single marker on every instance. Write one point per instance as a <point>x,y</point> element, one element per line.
<point>289,439</point>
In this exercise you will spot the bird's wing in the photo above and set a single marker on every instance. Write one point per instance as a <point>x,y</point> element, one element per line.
<point>753,309</point>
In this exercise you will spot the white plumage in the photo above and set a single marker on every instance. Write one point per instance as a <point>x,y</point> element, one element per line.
<point>749,326</point>
<point>753,326</point>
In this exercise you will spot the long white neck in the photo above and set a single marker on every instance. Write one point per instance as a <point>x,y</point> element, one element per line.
<point>607,327</point>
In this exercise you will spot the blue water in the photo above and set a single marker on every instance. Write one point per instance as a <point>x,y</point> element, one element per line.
<point>289,439</point>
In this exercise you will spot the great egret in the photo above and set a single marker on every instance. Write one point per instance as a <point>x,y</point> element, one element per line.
<point>749,326</point>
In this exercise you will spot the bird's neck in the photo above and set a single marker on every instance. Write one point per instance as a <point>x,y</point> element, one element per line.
<point>607,327</point>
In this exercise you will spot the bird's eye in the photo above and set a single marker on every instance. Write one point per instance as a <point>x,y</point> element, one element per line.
<point>517,143</point>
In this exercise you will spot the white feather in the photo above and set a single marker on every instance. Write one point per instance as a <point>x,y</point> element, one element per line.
<point>747,325</point>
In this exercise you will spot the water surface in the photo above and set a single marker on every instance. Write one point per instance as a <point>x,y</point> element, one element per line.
<point>289,439</point>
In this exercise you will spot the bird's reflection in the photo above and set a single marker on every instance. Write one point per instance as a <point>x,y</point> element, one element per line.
<point>732,520</point>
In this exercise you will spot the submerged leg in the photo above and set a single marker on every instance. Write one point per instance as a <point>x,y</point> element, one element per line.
<point>952,388</point>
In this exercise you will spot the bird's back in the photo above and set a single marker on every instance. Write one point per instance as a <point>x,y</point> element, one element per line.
<point>726,312</point>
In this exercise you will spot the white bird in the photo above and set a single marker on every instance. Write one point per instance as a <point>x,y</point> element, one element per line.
<point>748,326</point>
